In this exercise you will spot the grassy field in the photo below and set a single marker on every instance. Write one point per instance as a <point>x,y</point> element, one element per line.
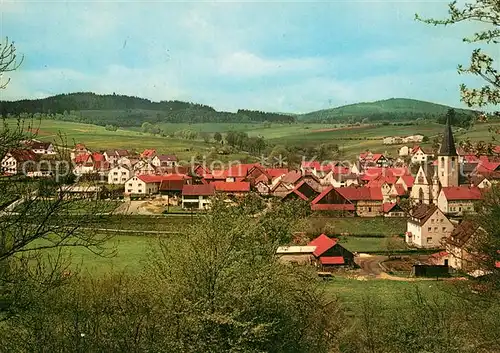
<point>359,226</point>
<point>388,294</point>
<point>351,140</point>
<point>365,244</point>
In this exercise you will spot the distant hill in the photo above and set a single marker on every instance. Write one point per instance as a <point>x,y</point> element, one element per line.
<point>127,111</point>
<point>394,109</point>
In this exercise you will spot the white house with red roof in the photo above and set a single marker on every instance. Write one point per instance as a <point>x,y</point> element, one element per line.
<point>458,200</point>
<point>143,185</point>
<point>19,161</point>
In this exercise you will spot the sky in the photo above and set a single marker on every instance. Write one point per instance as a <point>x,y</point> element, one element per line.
<point>284,56</point>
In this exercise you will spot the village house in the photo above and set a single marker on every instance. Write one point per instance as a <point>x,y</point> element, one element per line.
<point>164,160</point>
<point>392,209</point>
<point>143,167</point>
<point>404,151</point>
<point>119,175</point>
<point>84,164</point>
<point>113,156</point>
<point>369,159</point>
<point>413,138</point>
<point>197,196</point>
<point>237,188</point>
<point>427,226</point>
<point>39,147</point>
<point>172,184</point>
<point>419,156</point>
<point>79,150</point>
<point>329,254</point>
<point>19,161</point>
<point>148,154</point>
<point>143,185</point>
<point>366,202</point>
<point>456,201</point>
<point>458,247</point>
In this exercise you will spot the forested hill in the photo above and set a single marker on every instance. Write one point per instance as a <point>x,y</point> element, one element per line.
<point>120,110</point>
<point>394,109</point>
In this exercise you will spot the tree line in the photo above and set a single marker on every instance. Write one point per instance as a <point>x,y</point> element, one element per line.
<point>125,111</point>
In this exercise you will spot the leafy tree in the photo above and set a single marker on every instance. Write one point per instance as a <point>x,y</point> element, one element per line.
<point>146,127</point>
<point>218,137</point>
<point>487,12</point>
<point>110,127</point>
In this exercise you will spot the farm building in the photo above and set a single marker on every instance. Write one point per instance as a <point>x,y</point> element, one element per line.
<point>329,254</point>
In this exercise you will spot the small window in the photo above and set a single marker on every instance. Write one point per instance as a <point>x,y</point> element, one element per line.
<point>140,190</point>
<point>429,240</point>
<point>444,229</point>
<point>441,220</point>
<point>432,220</point>
<point>129,190</point>
<point>435,229</point>
<point>429,229</point>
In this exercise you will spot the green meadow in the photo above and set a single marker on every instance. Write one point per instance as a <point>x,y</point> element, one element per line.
<point>351,140</point>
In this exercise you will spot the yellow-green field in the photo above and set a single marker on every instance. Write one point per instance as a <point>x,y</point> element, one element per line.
<point>352,140</point>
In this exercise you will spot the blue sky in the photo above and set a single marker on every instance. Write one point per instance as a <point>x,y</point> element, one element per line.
<point>277,56</point>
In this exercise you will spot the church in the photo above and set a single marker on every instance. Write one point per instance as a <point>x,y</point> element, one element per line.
<point>430,179</point>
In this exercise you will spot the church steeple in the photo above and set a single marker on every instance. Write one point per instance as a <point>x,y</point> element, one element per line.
<point>448,167</point>
<point>448,144</point>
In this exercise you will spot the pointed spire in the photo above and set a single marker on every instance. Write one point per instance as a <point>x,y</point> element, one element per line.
<point>448,144</point>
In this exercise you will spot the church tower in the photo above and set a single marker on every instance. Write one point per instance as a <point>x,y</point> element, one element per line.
<point>448,167</point>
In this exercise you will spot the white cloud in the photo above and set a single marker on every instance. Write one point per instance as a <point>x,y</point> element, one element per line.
<point>248,64</point>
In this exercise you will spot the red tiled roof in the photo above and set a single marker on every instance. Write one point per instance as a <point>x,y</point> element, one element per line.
<point>201,170</point>
<point>23,155</point>
<point>387,207</point>
<point>462,193</point>
<point>497,264</point>
<point>98,157</point>
<point>82,158</point>
<point>332,207</point>
<point>276,172</point>
<point>198,190</point>
<point>239,170</point>
<point>439,254</point>
<point>400,190</point>
<point>331,260</point>
<point>148,153</point>
<point>151,178</point>
<point>160,178</point>
<point>238,186</point>
<point>291,177</point>
<point>298,193</point>
<point>322,243</point>
<point>172,185</point>
<point>408,179</point>
<point>377,156</point>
